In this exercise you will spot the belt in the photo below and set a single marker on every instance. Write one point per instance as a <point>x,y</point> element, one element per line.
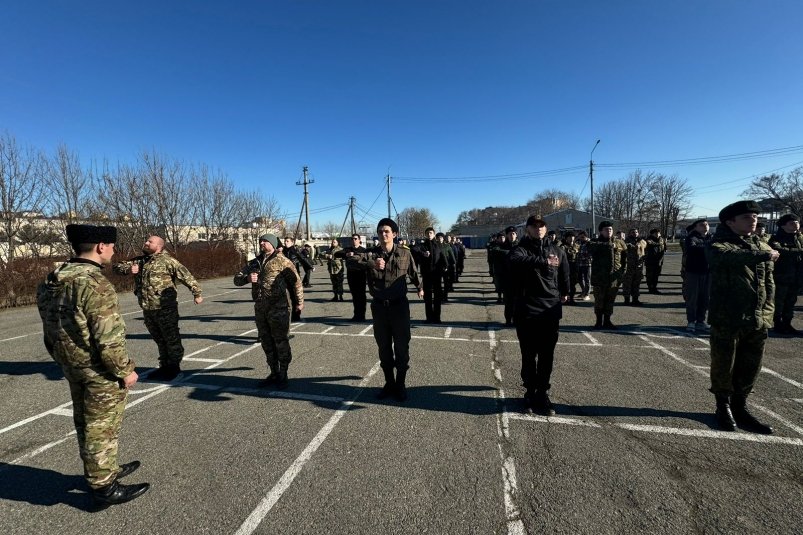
<point>387,302</point>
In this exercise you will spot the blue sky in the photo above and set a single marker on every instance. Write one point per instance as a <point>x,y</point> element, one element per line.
<point>354,89</point>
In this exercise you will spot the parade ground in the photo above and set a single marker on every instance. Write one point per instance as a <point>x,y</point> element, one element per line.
<point>633,448</point>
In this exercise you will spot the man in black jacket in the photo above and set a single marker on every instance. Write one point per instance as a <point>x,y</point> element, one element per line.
<point>431,260</point>
<point>698,281</point>
<point>540,271</point>
<point>355,275</point>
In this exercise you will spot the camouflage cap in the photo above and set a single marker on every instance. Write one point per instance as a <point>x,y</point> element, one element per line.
<point>738,208</point>
<point>91,234</point>
<point>271,239</point>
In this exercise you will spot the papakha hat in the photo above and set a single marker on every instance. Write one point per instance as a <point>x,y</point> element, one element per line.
<point>739,208</point>
<point>786,218</point>
<point>91,234</point>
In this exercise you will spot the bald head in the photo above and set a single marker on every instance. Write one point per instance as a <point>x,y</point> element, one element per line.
<point>153,245</point>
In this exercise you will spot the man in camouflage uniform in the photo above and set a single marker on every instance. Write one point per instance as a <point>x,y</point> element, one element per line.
<point>788,271</point>
<point>761,232</point>
<point>654,260</point>
<point>636,250</point>
<point>388,266</point>
<point>741,310</point>
<point>572,249</point>
<point>85,334</point>
<point>155,286</point>
<point>275,287</point>
<point>609,258</point>
<point>334,263</point>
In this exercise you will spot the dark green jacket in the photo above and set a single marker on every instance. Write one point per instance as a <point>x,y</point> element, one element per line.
<point>609,261</point>
<point>789,267</point>
<point>742,285</point>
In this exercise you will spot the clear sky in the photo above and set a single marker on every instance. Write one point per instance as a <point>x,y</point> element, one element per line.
<point>457,88</point>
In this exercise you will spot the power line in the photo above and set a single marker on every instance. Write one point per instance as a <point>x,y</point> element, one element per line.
<point>493,178</point>
<point>710,159</point>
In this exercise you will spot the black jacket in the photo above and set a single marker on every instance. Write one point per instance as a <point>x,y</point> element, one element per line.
<point>538,286</point>
<point>696,259</point>
<point>435,262</point>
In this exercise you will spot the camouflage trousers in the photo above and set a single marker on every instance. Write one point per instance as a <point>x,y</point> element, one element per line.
<point>785,299</point>
<point>163,326</point>
<point>604,296</point>
<point>631,282</point>
<point>273,326</point>
<point>98,405</point>
<point>735,359</point>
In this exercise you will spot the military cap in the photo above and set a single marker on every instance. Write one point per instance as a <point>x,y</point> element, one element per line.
<point>739,208</point>
<point>271,239</point>
<point>388,222</point>
<point>441,234</point>
<point>91,234</point>
<point>510,229</point>
<point>534,221</point>
<point>786,218</point>
<point>697,221</point>
<point>604,224</point>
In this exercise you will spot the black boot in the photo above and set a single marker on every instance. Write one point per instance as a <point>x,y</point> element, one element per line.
<point>390,384</point>
<point>636,302</point>
<point>778,327</point>
<point>627,300</point>
<point>270,380</point>
<point>166,373</point>
<point>281,380</point>
<point>724,414</point>
<point>606,323</point>
<point>334,298</point>
<point>117,493</point>
<point>598,324</point>
<point>529,401</point>
<point>542,405</point>
<point>401,389</point>
<point>744,419</point>
<point>341,297</point>
<point>127,469</point>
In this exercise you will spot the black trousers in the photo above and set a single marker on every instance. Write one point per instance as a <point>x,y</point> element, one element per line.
<point>392,333</point>
<point>357,285</point>
<point>433,295</point>
<point>537,340</point>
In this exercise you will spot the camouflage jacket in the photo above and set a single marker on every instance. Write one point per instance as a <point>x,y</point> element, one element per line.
<point>609,258</point>
<point>81,322</point>
<point>155,284</point>
<point>334,261</point>
<point>278,283</point>
<point>789,267</point>
<point>742,285</point>
<point>636,250</point>
<point>571,251</point>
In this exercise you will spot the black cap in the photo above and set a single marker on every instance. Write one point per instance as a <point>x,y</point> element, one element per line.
<point>697,221</point>
<point>440,234</point>
<point>388,222</point>
<point>786,218</point>
<point>91,234</point>
<point>534,221</point>
<point>739,208</point>
<point>510,229</point>
<point>604,224</point>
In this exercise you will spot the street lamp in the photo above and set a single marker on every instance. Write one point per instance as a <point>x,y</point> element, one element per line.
<point>591,179</point>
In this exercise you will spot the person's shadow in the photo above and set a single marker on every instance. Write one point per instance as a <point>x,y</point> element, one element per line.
<point>39,486</point>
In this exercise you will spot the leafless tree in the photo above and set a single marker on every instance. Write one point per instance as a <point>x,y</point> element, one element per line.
<point>166,182</point>
<point>216,204</point>
<point>258,215</point>
<point>785,189</point>
<point>413,221</point>
<point>22,195</point>
<point>331,230</point>
<point>672,195</point>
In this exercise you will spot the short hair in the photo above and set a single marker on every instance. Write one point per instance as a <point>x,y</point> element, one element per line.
<point>292,239</point>
<point>426,231</point>
<point>568,234</point>
<point>83,248</point>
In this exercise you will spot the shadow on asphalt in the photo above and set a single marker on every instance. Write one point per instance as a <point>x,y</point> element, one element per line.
<point>238,340</point>
<point>704,418</point>
<point>49,369</point>
<point>39,486</point>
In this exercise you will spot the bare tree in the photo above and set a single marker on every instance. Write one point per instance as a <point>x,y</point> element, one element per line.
<point>216,205</point>
<point>22,195</point>
<point>413,221</point>
<point>69,186</point>
<point>168,182</point>
<point>258,215</point>
<point>331,230</point>
<point>672,196</point>
<point>786,190</point>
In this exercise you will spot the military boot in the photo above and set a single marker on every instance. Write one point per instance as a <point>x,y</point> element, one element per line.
<point>529,401</point>
<point>627,300</point>
<point>271,379</point>
<point>390,384</point>
<point>598,324</point>
<point>778,327</point>
<point>606,323</point>
<point>401,389</point>
<point>542,405</point>
<point>166,373</point>
<point>334,298</point>
<point>724,414</point>
<point>636,302</point>
<point>281,380</point>
<point>744,419</point>
<point>116,493</point>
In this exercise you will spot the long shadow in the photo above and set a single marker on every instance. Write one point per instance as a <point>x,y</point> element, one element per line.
<point>216,318</point>
<point>238,340</point>
<point>437,398</point>
<point>706,418</point>
<point>49,369</point>
<point>39,486</point>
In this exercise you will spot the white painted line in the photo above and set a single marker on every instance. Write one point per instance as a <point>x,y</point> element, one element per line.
<point>39,450</point>
<point>20,336</point>
<point>33,418</point>
<point>781,377</point>
<point>327,330</point>
<point>492,338</point>
<point>62,412</point>
<point>364,331</point>
<point>705,433</point>
<point>263,508</point>
<point>796,428</point>
<point>702,366</point>
<point>565,420</point>
<point>594,341</point>
<point>199,359</point>
<point>448,332</point>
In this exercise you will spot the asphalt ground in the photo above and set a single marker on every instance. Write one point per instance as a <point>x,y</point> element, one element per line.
<point>633,447</point>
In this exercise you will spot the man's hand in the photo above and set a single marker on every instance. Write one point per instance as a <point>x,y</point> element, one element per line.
<point>774,255</point>
<point>426,254</point>
<point>130,379</point>
<point>254,276</point>
<point>421,293</point>
<point>553,260</point>
<point>564,299</point>
<point>380,264</point>
<point>198,300</point>
<point>134,268</point>
<point>299,307</point>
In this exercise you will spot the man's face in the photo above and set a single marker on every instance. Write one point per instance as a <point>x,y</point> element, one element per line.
<point>106,252</point>
<point>536,231</point>
<point>152,245</point>
<point>439,239</point>
<point>288,242</point>
<point>569,240</point>
<point>606,232</point>
<point>743,224</point>
<point>621,234</point>
<point>334,243</point>
<point>760,231</point>
<point>430,234</point>
<point>634,233</point>
<point>501,238</point>
<point>702,227</point>
<point>386,234</point>
<point>791,227</point>
<point>266,247</point>
<point>355,241</point>
<point>656,234</point>
<point>511,236</point>
<point>582,237</point>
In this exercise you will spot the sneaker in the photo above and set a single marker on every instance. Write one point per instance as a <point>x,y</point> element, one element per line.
<point>691,327</point>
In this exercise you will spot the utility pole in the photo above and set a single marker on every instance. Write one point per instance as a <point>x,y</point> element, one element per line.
<point>352,202</point>
<point>305,206</point>
<point>591,179</point>
<point>387,178</point>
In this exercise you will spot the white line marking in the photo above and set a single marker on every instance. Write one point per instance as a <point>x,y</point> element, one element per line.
<point>364,331</point>
<point>492,338</point>
<point>594,341</point>
<point>327,330</point>
<point>37,451</point>
<point>787,423</point>
<point>199,359</point>
<point>448,332</point>
<point>20,336</point>
<point>704,433</point>
<point>63,412</point>
<point>797,400</point>
<point>781,377</point>
<point>552,419</point>
<point>263,508</point>
<point>33,418</point>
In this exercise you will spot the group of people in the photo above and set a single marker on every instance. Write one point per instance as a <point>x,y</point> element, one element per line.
<point>534,277</point>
